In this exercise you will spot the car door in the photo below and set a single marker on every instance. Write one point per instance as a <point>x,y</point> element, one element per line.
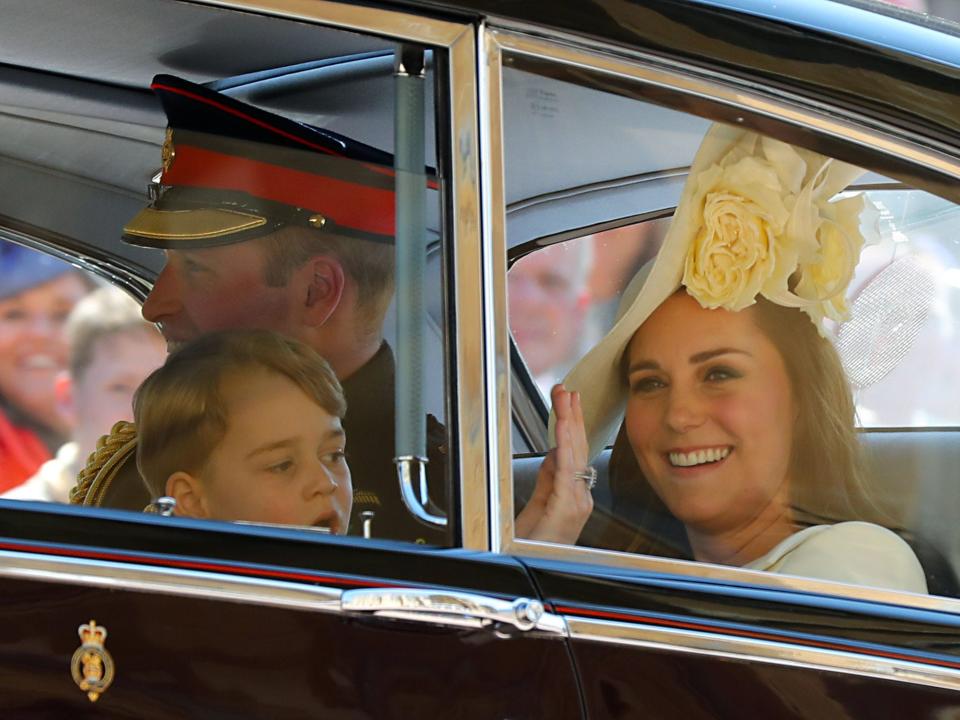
<point>656,634</point>
<point>113,613</point>
<point>666,646</point>
<point>221,623</point>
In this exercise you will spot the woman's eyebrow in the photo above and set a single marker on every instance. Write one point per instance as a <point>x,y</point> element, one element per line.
<point>694,359</point>
<point>643,365</point>
<point>710,354</point>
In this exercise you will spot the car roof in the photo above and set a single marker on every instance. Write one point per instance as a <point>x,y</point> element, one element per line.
<point>125,43</point>
<point>817,47</point>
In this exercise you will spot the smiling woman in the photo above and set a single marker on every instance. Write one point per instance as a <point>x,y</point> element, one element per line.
<point>36,295</point>
<point>737,443</point>
<point>710,416</point>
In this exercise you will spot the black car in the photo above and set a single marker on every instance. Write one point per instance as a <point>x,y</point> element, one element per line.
<point>562,125</point>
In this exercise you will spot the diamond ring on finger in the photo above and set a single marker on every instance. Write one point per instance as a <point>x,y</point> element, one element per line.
<point>588,475</point>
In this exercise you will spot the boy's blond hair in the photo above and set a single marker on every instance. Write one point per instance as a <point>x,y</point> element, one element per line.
<point>103,314</point>
<point>180,412</point>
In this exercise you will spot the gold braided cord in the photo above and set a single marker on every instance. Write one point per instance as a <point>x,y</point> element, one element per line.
<point>120,434</point>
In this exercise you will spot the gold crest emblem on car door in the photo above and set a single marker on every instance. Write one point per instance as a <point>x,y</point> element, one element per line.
<point>91,665</point>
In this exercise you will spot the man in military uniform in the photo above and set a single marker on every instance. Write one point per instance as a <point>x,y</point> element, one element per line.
<point>270,223</point>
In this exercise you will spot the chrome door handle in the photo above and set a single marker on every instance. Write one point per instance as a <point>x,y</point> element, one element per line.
<point>452,608</point>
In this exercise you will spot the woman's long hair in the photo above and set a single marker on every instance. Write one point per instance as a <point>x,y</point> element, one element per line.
<point>827,468</point>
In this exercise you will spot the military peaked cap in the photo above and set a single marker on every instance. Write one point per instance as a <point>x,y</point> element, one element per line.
<point>232,171</point>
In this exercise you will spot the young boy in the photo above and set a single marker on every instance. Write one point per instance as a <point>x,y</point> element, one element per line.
<point>245,425</point>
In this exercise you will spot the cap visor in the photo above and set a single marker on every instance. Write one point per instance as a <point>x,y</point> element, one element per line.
<point>190,228</point>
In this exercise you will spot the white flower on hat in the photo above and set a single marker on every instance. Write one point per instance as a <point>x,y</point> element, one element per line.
<point>764,219</point>
<point>823,281</point>
<point>737,251</point>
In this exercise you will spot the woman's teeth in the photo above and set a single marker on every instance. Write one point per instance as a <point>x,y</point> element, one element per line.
<point>698,457</point>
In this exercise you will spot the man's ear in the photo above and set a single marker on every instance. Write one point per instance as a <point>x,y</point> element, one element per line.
<point>324,278</point>
<point>187,490</point>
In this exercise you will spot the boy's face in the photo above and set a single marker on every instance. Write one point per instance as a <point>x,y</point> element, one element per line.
<point>280,461</point>
<point>104,391</point>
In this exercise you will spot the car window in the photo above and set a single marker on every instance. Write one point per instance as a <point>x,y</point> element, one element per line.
<point>700,442</point>
<point>286,234</point>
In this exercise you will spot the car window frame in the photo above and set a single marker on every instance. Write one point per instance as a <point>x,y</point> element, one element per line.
<point>458,151</point>
<point>717,96</point>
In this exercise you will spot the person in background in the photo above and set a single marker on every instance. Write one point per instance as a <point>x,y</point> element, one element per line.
<point>37,293</point>
<point>548,301</point>
<point>617,256</point>
<point>112,350</point>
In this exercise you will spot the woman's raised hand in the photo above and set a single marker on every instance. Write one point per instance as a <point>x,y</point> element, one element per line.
<point>561,502</point>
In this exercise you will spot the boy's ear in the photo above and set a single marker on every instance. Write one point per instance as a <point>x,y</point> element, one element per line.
<point>187,490</point>
<point>324,279</point>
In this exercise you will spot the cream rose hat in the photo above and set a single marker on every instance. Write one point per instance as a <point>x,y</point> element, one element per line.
<point>756,217</point>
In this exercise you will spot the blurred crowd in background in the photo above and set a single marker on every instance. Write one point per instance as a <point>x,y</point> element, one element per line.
<point>72,353</point>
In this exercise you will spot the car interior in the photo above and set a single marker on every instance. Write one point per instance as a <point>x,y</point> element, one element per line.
<point>80,139</point>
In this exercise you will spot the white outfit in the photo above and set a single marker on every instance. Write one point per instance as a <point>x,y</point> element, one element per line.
<point>859,553</point>
<point>53,481</point>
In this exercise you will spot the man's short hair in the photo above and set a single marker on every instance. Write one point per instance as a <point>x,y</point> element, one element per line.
<point>180,412</point>
<point>369,263</point>
<point>104,313</point>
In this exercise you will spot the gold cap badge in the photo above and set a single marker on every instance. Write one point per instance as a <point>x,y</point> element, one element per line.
<point>168,152</point>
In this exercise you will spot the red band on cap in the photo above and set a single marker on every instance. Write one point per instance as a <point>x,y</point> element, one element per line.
<point>347,204</point>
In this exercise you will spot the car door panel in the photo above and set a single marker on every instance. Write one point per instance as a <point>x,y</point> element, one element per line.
<point>671,646</point>
<point>622,681</point>
<point>193,634</point>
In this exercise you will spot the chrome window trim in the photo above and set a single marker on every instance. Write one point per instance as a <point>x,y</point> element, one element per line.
<point>467,256</point>
<point>743,576</point>
<point>201,584</point>
<point>474,416</point>
<point>764,651</point>
<point>500,478</point>
<point>695,82</point>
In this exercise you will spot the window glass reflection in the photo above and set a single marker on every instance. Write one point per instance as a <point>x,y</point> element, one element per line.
<point>271,224</point>
<point>717,414</point>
